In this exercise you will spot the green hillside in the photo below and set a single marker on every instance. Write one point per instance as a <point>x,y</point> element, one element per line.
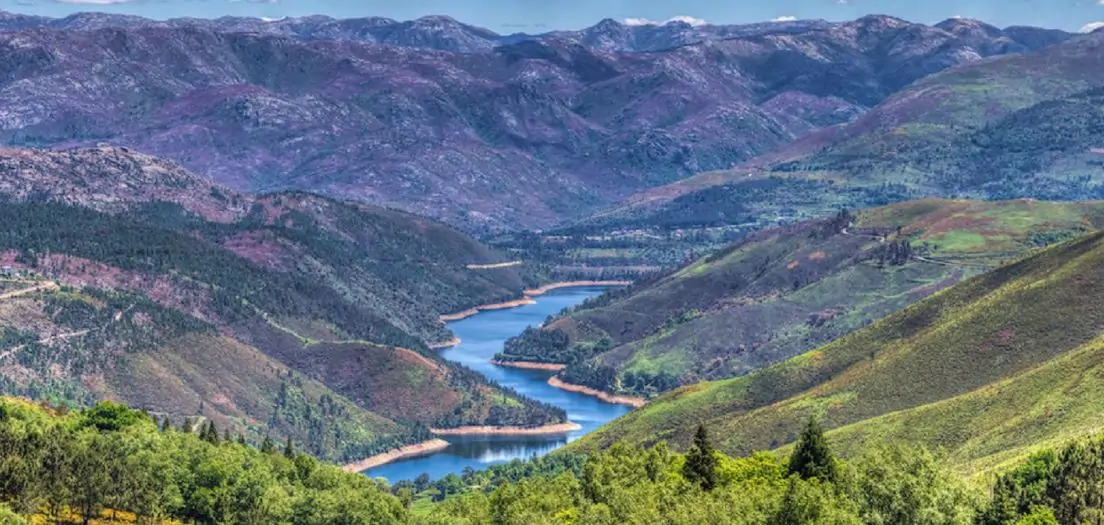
<point>1000,341</point>
<point>786,290</point>
<point>110,464</point>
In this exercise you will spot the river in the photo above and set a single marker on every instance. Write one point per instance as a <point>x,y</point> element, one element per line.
<point>482,336</point>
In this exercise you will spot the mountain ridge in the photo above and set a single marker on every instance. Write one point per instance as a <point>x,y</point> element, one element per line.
<point>436,132</point>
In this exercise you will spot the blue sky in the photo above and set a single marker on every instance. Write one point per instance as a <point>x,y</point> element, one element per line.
<point>532,16</point>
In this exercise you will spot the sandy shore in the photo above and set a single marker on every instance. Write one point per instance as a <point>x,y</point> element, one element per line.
<point>409,451</point>
<point>559,428</point>
<point>444,344</point>
<point>572,284</point>
<point>530,365</point>
<point>636,402</point>
<point>493,306</point>
<point>529,294</point>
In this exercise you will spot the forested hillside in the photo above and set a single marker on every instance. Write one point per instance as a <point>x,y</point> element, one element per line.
<point>290,314</point>
<point>787,290</point>
<point>113,465</point>
<point>986,369</point>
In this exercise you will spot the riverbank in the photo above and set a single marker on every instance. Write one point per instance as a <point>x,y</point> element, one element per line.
<point>530,365</point>
<point>527,299</point>
<point>571,284</point>
<point>409,451</point>
<point>635,402</point>
<point>558,428</point>
<point>464,314</point>
<point>444,344</point>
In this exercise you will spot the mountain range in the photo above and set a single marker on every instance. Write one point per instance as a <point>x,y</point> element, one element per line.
<point>553,127</point>
<point>1008,127</point>
<point>432,32</point>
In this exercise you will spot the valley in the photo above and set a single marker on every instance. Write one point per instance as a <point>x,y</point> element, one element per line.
<point>481,335</point>
<point>305,270</point>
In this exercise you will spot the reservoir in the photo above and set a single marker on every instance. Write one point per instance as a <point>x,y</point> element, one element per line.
<point>482,336</point>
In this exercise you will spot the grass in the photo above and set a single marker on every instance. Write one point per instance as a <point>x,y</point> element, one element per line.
<point>984,369</point>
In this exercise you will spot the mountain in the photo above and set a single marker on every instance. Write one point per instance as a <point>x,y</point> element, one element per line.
<point>552,128</point>
<point>786,290</point>
<point>987,370</point>
<point>288,313</point>
<point>1008,127</point>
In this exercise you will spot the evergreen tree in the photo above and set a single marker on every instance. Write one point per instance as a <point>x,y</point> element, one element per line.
<point>811,457</point>
<point>165,424</point>
<point>267,446</point>
<point>210,433</point>
<point>186,425</point>
<point>701,462</point>
<point>289,449</point>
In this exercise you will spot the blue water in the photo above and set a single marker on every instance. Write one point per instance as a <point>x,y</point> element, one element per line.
<point>482,336</point>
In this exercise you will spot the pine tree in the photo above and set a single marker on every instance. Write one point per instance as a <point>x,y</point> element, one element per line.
<point>267,446</point>
<point>811,457</point>
<point>209,433</point>
<point>701,462</point>
<point>165,424</point>
<point>186,425</point>
<point>289,449</point>
<point>241,439</point>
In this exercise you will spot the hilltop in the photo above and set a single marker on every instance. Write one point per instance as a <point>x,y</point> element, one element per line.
<point>289,314</point>
<point>786,290</point>
<point>986,369</point>
<point>552,127</point>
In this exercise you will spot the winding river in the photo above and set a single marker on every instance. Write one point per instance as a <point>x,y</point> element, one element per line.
<point>482,336</point>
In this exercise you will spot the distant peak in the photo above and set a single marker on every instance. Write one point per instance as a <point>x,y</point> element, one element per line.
<point>883,20</point>
<point>437,19</point>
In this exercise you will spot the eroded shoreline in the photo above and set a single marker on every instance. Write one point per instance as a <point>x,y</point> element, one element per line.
<point>557,428</point>
<point>527,299</point>
<point>635,402</point>
<point>571,284</point>
<point>464,314</point>
<point>444,344</point>
<point>408,451</point>
<point>530,365</point>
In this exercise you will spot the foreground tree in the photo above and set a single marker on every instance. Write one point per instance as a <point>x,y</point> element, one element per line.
<point>811,456</point>
<point>701,461</point>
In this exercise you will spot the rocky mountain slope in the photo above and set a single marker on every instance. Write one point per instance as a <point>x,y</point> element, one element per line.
<point>1009,127</point>
<point>987,370</point>
<point>289,314</point>
<point>786,290</point>
<point>551,127</point>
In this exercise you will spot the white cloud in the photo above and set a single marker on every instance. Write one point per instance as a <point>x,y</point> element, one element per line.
<point>1091,26</point>
<point>784,18</point>
<point>647,22</point>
